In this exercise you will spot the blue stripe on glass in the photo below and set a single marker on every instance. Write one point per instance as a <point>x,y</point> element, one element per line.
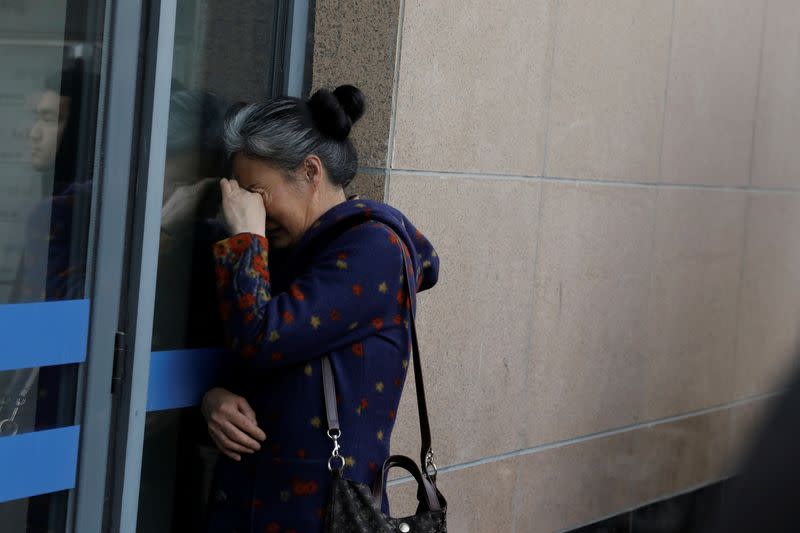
<point>38,463</point>
<point>179,378</point>
<point>43,333</point>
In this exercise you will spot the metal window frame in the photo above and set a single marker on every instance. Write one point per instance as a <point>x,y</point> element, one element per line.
<point>119,86</point>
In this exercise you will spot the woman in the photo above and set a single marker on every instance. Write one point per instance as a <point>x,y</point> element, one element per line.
<point>339,293</point>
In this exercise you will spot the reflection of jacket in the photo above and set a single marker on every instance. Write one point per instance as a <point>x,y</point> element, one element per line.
<point>54,261</point>
<point>347,301</point>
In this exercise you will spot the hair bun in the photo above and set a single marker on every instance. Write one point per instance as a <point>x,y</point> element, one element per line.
<point>334,113</point>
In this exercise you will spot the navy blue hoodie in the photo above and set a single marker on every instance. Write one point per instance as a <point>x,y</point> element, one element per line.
<point>342,295</point>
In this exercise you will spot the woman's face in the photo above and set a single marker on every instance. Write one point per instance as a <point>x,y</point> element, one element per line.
<point>288,203</point>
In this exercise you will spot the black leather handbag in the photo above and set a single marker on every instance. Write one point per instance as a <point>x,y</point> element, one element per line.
<point>355,508</point>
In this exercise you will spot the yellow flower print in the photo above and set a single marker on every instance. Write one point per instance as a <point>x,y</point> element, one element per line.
<point>341,265</point>
<point>316,422</point>
<point>274,336</point>
<point>308,370</point>
<point>383,288</point>
<point>353,326</point>
<point>285,496</point>
<point>380,434</point>
<point>315,322</point>
<point>349,461</point>
<point>405,363</point>
<point>379,386</point>
<point>426,264</point>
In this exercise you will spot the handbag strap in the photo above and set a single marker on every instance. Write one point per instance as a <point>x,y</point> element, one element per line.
<point>329,385</point>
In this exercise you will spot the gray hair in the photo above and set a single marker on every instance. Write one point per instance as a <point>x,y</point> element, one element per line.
<point>284,131</point>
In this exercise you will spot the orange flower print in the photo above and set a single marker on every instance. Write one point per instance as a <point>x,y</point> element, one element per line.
<point>304,488</point>
<point>377,323</point>
<point>398,382</point>
<point>357,289</point>
<point>255,503</point>
<point>397,319</point>
<point>247,301</point>
<point>239,243</point>
<point>401,297</point>
<point>277,356</point>
<point>342,256</point>
<point>364,403</point>
<point>335,315</point>
<point>392,414</point>
<point>393,238</point>
<point>296,293</point>
<point>248,317</point>
<point>272,527</point>
<point>358,349</point>
<point>373,467</point>
<point>248,351</point>
<point>288,317</point>
<point>220,250</point>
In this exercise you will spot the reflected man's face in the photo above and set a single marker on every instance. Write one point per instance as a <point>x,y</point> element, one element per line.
<point>52,112</point>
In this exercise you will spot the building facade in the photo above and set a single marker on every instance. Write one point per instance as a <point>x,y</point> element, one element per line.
<point>612,187</point>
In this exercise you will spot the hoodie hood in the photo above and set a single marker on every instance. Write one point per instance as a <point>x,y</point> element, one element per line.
<point>354,212</point>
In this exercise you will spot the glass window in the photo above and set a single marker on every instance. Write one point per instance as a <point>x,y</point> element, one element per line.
<point>49,55</point>
<point>224,52</point>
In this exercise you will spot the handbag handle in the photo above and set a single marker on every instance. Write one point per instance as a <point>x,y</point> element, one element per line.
<point>426,452</point>
<point>401,461</point>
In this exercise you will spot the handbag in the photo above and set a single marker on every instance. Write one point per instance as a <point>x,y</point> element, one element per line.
<point>356,508</point>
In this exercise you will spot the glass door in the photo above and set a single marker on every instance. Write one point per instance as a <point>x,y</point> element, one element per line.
<point>205,56</point>
<point>63,217</point>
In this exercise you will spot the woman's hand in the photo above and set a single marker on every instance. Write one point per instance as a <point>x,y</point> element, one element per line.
<point>243,210</point>
<point>180,209</point>
<point>231,423</point>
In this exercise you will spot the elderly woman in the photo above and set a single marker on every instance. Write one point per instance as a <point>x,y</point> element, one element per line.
<point>338,291</point>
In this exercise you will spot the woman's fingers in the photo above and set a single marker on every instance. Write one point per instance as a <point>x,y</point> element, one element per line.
<point>247,425</point>
<point>220,444</point>
<point>230,445</point>
<point>238,436</point>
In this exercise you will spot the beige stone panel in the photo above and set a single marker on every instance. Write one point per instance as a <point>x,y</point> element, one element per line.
<point>699,236</point>
<point>607,97</point>
<point>777,154</point>
<point>711,96</point>
<point>475,325</point>
<point>562,488</point>
<point>368,185</point>
<point>473,86</point>
<point>675,456</point>
<point>355,43</point>
<point>769,305</point>
<point>592,280</point>
<point>480,499</point>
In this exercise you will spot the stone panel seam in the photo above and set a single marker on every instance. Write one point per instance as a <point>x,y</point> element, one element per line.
<point>449,174</point>
<point>395,92</point>
<point>597,435</point>
<point>765,12</point>
<point>666,93</point>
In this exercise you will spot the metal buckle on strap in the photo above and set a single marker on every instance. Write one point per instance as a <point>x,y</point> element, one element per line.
<point>430,464</point>
<point>334,434</point>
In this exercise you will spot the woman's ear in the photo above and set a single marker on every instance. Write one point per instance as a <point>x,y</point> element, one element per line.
<point>313,170</point>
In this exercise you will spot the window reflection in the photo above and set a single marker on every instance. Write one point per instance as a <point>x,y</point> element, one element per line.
<point>50,55</point>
